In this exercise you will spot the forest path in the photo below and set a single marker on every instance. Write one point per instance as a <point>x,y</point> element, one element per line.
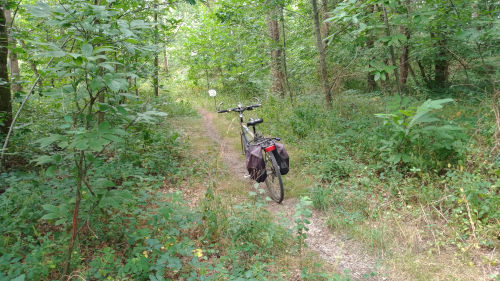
<point>345,254</point>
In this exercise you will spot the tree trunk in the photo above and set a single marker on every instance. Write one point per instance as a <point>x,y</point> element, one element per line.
<point>321,54</point>
<point>391,50</point>
<point>155,82</point>
<point>285,71</point>
<point>165,60</point>
<point>404,59</point>
<point>276,52</point>
<point>423,73</point>
<point>371,83</point>
<point>14,63</point>
<point>441,65</point>
<point>5,96</point>
<point>325,27</point>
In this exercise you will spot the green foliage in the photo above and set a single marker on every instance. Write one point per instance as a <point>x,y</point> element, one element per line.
<point>477,195</point>
<point>320,197</point>
<point>303,119</point>
<point>415,138</point>
<point>317,274</point>
<point>94,141</point>
<point>302,216</point>
<point>331,169</point>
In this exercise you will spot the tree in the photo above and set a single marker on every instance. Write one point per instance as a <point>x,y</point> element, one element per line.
<point>441,62</point>
<point>13,61</point>
<point>391,48</point>
<point>404,59</point>
<point>321,54</point>
<point>326,26</point>
<point>156,60</point>
<point>277,78</point>
<point>5,95</point>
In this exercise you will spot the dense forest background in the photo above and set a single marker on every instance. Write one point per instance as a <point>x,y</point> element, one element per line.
<point>389,110</point>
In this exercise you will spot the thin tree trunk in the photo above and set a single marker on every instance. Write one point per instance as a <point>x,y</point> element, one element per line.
<point>76,209</point>
<point>276,52</point>
<point>325,27</point>
<point>33,66</point>
<point>404,59</point>
<point>372,84</point>
<point>165,60</point>
<point>285,71</point>
<point>321,54</point>
<point>441,65</point>
<point>412,73</point>
<point>155,82</point>
<point>208,79</point>
<point>5,96</point>
<point>496,110</point>
<point>423,73</point>
<point>13,61</point>
<point>391,49</point>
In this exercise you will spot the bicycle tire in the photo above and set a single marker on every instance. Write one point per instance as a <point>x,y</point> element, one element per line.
<point>273,181</point>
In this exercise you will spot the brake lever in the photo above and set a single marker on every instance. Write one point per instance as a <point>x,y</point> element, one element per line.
<point>218,107</point>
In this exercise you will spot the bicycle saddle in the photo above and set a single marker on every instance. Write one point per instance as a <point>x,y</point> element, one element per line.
<point>253,122</point>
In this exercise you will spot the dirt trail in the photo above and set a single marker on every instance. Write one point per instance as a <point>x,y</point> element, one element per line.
<point>230,157</point>
<point>346,255</point>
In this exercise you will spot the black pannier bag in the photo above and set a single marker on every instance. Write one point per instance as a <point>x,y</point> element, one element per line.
<point>256,165</point>
<point>282,158</point>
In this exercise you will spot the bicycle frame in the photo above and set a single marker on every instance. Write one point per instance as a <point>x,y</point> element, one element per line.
<point>273,181</point>
<point>246,134</point>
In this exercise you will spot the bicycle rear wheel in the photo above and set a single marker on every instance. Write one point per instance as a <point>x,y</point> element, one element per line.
<point>273,180</point>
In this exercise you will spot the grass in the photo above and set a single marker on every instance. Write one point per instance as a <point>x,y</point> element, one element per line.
<point>232,192</point>
<point>392,214</point>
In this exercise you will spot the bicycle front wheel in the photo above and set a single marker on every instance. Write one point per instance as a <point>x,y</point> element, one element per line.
<point>273,180</point>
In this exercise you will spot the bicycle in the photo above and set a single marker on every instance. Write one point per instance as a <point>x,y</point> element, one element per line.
<point>273,181</point>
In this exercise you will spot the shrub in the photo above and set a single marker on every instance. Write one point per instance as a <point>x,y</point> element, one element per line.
<point>416,137</point>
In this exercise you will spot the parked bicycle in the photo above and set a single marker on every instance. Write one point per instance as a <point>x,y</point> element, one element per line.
<point>252,138</point>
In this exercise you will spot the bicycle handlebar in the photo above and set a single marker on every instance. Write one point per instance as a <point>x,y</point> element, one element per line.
<point>240,109</point>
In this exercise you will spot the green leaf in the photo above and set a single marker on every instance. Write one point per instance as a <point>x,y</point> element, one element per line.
<point>174,263</point>
<point>44,159</point>
<point>97,144</point>
<point>87,50</point>
<point>80,144</point>
<point>50,216</point>
<point>40,10</point>
<point>50,208</point>
<point>44,142</point>
<point>54,53</point>
<point>423,111</point>
<point>96,84</point>
<point>50,172</point>
<point>21,277</point>
<point>104,127</point>
<point>105,183</point>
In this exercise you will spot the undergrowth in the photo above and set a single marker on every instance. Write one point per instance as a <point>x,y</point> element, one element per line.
<point>134,225</point>
<point>420,166</point>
